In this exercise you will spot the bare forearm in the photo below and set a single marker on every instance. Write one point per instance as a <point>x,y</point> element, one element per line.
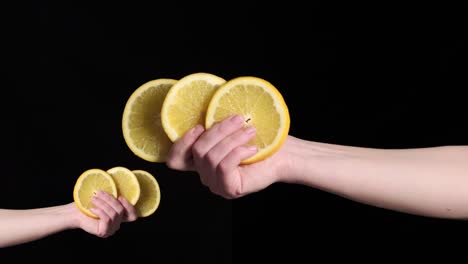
<point>21,226</point>
<point>427,181</point>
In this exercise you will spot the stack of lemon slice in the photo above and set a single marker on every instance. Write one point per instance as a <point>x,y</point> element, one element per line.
<point>161,111</point>
<point>139,187</point>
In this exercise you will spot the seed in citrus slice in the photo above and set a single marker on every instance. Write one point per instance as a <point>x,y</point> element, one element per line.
<point>127,183</point>
<point>262,107</point>
<point>186,103</point>
<point>150,196</point>
<point>87,186</point>
<point>141,122</point>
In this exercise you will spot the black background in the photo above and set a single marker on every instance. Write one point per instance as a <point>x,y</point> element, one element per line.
<point>389,76</point>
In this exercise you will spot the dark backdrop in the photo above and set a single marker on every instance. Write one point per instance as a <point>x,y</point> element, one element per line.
<point>388,75</point>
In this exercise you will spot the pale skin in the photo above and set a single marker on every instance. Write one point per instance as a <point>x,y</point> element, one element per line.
<point>430,182</point>
<point>22,226</point>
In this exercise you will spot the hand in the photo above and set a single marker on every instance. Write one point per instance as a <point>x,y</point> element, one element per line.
<point>216,155</point>
<point>112,212</point>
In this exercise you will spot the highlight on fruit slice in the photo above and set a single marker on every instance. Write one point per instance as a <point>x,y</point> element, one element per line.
<point>126,182</point>
<point>262,107</point>
<point>150,196</point>
<point>186,103</point>
<point>87,186</point>
<point>141,122</point>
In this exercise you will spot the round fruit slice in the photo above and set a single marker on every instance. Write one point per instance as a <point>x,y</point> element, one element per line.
<point>141,121</point>
<point>150,194</point>
<point>88,184</point>
<point>186,103</point>
<point>262,107</point>
<point>127,183</point>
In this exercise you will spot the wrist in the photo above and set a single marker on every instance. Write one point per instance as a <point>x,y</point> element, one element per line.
<point>294,158</point>
<point>70,215</point>
<point>310,163</point>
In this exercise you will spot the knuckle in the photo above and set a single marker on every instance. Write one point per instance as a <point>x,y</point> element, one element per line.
<point>229,191</point>
<point>211,158</point>
<point>226,143</point>
<point>197,150</point>
<point>106,221</point>
<point>222,168</point>
<point>120,210</point>
<point>174,163</point>
<point>230,194</point>
<point>171,163</point>
<point>186,140</point>
<point>113,215</point>
<point>102,233</point>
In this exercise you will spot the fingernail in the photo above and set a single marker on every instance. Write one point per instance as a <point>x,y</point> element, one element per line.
<point>252,148</point>
<point>249,130</point>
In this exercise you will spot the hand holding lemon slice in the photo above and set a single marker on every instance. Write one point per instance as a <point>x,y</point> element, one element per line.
<point>161,111</point>
<point>87,186</point>
<point>139,187</point>
<point>262,107</point>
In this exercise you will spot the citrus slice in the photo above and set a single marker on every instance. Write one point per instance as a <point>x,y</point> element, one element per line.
<point>141,121</point>
<point>186,103</point>
<point>262,107</point>
<point>127,183</point>
<point>88,184</point>
<point>150,193</point>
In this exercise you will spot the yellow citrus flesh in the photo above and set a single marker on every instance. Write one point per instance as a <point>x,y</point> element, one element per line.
<point>262,107</point>
<point>88,184</point>
<point>141,122</point>
<point>150,196</point>
<point>186,103</point>
<point>127,183</point>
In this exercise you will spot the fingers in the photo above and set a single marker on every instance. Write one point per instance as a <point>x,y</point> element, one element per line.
<point>208,165</point>
<point>234,158</point>
<point>215,134</point>
<point>111,206</point>
<point>104,227</point>
<point>226,145</point>
<point>216,155</point>
<point>180,154</point>
<point>110,213</point>
<point>233,187</point>
<point>130,211</point>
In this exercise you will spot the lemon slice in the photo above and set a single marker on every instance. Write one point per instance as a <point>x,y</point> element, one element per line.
<point>127,183</point>
<point>186,103</point>
<point>150,193</point>
<point>88,184</point>
<point>141,121</point>
<point>262,107</point>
